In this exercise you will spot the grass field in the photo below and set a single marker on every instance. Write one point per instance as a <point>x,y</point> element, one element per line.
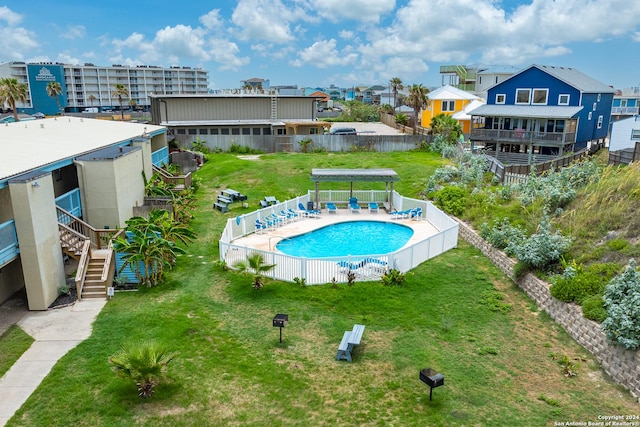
<point>503,359</point>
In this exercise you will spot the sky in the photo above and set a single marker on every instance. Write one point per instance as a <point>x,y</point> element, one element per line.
<point>317,43</point>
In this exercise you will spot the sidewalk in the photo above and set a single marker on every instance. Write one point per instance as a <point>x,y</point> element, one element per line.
<point>55,333</point>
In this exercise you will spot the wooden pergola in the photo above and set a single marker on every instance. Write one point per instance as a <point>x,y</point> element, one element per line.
<point>302,127</point>
<point>388,176</point>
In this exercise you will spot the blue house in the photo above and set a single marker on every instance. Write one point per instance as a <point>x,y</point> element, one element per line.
<point>542,112</point>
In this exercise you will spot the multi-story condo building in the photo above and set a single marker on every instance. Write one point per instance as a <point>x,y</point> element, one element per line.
<point>90,86</point>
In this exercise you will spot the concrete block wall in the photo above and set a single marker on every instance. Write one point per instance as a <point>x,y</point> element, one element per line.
<point>622,365</point>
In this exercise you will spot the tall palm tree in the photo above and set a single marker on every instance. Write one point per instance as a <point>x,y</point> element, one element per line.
<point>12,92</point>
<point>121,92</point>
<point>396,85</point>
<point>417,99</point>
<point>54,90</point>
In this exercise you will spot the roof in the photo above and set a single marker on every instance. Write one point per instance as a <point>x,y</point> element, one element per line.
<point>527,111</point>
<point>350,175</point>
<point>464,114</point>
<point>449,93</point>
<point>572,77</point>
<point>27,146</point>
<point>499,69</point>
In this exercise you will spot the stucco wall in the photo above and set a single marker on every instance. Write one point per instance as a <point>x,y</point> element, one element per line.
<point>622,365</point>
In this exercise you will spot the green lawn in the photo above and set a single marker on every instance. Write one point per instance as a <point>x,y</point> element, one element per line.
<point>499,356</point>
<point>13,343</point>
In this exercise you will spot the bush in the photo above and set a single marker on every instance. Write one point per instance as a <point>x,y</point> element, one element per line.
<point>541,248</point>
<point>579,283</point>
<point>593,308</point>
<point>622,303</point>
<point>451,199</point>
<point>502,234</point>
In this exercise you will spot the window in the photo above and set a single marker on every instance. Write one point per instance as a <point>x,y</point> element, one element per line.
<point>235,131</point>
<point>600,120</point>
<point>181,131</point>
<point>246,131</point>
<point>599,97</point>
<point>479,80</point>
<point>496,79</point>
<point>623,103</point>
<point>635,133</point>
<point>563,99</point>
<point>280,131</point>
<point>589,117</point>
<point>256,131</point>
<point>266,131</point>
<point>204,131</point>
<point>313,131</point>
<point>540,96</point>
<point>193,131</point>
<point>214,131</point>
<point>523,96</point>
<point>500,98</point>
<point>224,131</point>
<point>448,105</point>
<point>595,105</point>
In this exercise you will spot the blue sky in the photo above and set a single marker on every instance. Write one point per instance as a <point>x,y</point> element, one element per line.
<point>324,42</point>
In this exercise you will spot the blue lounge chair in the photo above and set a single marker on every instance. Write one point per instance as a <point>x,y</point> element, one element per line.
<point>373,207</point>
<point>353,205</point>
<point>260,226</point>
<point>308,212</point>
<point>416,213</point>
<point>331,207</point>
<point>293,214</point>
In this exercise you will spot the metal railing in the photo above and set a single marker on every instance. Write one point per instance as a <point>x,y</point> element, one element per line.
<point>520,135</point>
<point>325,270</point>
<point>160,157</point>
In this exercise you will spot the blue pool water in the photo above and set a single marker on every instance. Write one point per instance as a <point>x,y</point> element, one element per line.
<point>348,238</point>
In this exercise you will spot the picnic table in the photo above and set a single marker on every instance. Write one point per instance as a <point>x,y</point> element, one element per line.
<point>349,340</point>
<point>233,194</point>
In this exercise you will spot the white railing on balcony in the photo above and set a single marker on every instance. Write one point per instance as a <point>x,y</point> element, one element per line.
<point>624,110</point>
<point>324,270</point>
<point>8,242</point>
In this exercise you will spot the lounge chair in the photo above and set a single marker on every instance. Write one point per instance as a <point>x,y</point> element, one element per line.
<point>293,214</point>
<point>373,207</point>
<point>331,207</point>
<point>416,213</point>
<point>260,226</point>
<point>308,212</point>
<point>353,205</point>
<point>276,219</point>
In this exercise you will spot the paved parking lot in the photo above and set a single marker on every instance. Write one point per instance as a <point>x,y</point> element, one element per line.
<point>373,128</point>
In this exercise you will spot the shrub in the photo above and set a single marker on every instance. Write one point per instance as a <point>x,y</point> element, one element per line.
<point>622,303</point>
<point>593,308</point>
<point>541,248</point>
<point>502,234</point>
<point>393,277</point>
<point>451,199</point>
<point>578,283</point>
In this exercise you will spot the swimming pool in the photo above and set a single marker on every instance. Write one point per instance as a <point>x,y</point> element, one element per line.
<point>348,238</point>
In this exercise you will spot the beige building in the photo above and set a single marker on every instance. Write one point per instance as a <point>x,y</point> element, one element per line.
<point>65,182</point>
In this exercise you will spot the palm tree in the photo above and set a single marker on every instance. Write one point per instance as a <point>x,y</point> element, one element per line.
<point>54,90</point>
<point>121,92</point>
<point>145,362</point>
<point>447,126</point>
<point>254,264</point>
<point>417,99</point>
<point>396,85</point>
<point>133,104</point>
<point>12,92</point>
<point>92,99</point>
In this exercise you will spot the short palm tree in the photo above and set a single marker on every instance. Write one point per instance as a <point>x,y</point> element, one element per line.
<point>120,91</point>
<point>12,92</point>
<point>54,90</point>
<point>396,85</point>
<point>255,265</point>
<point>417,99</point>
<point>145,362</point>
<point>447,126</point>
<point>92,99</point>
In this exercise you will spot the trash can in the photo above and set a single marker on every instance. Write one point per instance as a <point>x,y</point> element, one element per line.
<point>310,206</point>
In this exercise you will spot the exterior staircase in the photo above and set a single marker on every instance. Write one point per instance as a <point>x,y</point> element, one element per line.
<point>93,249</point>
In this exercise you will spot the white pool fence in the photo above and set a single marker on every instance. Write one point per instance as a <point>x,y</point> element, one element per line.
<point>325,270</point>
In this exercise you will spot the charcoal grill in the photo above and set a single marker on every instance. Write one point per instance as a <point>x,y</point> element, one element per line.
<point>279,321</point>
<point>431,378</point>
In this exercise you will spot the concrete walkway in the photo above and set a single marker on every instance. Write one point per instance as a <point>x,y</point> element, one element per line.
<point>55,333</point>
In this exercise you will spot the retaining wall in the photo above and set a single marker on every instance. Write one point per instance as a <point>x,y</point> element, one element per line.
<point>622,365</point>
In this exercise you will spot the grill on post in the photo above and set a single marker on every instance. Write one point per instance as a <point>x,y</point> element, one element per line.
<point>279,321</point>
<point>431,378</point>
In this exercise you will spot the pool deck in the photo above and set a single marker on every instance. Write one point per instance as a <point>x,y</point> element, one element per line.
<point>270,238</point>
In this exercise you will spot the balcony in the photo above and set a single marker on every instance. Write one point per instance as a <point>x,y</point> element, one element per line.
<point>8,242</point>
<point>520,136</point>
<point>624,111</point>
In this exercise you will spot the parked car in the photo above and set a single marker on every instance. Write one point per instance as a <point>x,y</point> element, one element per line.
<point>343,131</point>
<point>39,115</point>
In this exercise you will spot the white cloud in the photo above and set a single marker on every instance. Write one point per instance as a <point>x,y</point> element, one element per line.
<point>636,36</point>
<point>359,10</point>
<point>212,19</point>
<point>182,42</point>
<point>226,54</point>
<point>271,20</point>
<point>346,34</point>
<point>73,32</point>
<point>323,54</point>
<point>9,16</point>
<point>15,41</point>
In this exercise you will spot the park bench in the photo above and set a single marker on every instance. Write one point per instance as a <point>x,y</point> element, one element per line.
<point>349,340</point>
<point>221,206</point>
